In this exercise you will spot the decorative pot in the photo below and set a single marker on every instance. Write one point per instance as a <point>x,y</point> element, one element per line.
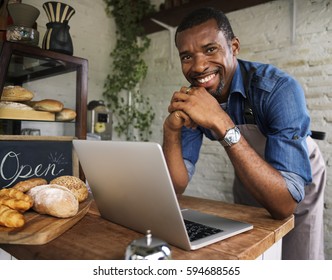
<point>57,37</point>
<point>23,15</point>
<point>24,27</point>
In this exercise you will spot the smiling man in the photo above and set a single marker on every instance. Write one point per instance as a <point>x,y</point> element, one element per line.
<point>258,113</point>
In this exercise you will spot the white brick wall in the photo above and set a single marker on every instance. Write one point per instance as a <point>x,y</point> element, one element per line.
<point>265,32</point>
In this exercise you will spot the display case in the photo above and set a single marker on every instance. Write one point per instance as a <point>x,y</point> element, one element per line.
<point>31,66</point>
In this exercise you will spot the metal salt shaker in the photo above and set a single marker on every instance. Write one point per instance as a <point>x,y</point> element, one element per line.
<point>148,248</point>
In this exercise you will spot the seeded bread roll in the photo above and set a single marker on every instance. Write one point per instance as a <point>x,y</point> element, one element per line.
<point>16,93</point>
<point>74,184</point>
<point>65,115</point>
<point>54,200</point>
<point>48,105</point>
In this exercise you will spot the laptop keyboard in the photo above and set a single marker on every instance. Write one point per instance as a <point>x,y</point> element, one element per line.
<point>197,231</point>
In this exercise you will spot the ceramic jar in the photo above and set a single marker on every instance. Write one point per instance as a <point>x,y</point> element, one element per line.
<point>57,37</point>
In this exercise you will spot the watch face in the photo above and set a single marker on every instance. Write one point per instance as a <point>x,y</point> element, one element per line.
<point>232,136</point>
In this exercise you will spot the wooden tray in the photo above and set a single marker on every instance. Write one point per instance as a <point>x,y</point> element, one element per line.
<point>41,229</point>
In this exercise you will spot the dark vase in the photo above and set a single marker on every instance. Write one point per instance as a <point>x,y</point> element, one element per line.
<point>57,37</point>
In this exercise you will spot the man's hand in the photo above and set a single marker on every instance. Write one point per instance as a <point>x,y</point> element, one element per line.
<point>195,106</point>
<point>177,119</point>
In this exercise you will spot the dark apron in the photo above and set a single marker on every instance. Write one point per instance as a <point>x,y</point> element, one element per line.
<point>306,240</point>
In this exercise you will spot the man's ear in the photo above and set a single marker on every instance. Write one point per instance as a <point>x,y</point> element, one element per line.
<point>235,46</point>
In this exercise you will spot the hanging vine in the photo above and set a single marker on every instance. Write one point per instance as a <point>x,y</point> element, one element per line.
<point>132,112</point>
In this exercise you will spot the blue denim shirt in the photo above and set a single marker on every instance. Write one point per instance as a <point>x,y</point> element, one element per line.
<point>280,111</point>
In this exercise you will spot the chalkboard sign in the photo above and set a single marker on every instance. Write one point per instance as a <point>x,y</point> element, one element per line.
<point>24,157</point>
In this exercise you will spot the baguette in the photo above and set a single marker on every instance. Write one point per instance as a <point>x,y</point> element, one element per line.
<point>26,185</point>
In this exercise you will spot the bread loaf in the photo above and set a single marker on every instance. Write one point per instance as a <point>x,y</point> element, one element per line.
<point>74,184</point>
<point>16,93</point>
<point>54,200</point>
<point>65,115</point>
<point>14,105</point>
<point>48,105</point>
<point>26,185</point>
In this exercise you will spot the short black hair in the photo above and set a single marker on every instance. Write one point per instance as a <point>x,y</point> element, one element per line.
<point>202,15</point>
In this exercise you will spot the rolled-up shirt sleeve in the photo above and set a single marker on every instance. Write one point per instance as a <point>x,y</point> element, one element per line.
<point>295,185</point>
<point>190,168</point>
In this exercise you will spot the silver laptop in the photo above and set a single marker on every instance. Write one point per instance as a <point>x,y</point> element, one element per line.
<point>132,187</point>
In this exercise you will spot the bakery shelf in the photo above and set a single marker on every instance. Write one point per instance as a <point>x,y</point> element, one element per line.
<point>21,63</point>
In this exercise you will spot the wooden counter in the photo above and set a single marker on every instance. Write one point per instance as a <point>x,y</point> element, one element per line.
<point>96,238</point>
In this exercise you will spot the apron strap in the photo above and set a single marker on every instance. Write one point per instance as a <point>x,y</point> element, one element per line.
<point>248,112</point>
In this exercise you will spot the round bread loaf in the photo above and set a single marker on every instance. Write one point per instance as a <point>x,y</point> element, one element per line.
<point>48,105</point>
<point>74,184</point>
<point>16,93</point>
<point>65,115</point>
<point>54,200</point>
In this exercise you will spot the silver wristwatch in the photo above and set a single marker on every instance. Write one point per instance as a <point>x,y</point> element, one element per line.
<point>232,136</point>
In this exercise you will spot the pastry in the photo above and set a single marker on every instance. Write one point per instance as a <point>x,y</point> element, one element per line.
<point>15,204</point>
<point>15,199</point>
<point>10,217</point>
<point>16,93</point>
<point>74,184</point>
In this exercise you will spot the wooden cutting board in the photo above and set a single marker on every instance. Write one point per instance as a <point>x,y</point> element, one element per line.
<point>41,229</point>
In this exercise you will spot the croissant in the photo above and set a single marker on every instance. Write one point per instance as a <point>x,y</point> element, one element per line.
<point>15,199</point>
<point>15,204</point>
<point>10,217</point>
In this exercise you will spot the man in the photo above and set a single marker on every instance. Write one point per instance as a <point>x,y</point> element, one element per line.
<point>258,113</point>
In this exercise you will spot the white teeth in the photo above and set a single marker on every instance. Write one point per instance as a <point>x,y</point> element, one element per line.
<point>206,79</point>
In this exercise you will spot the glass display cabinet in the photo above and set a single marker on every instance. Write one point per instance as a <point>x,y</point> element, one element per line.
<point>49,75</point>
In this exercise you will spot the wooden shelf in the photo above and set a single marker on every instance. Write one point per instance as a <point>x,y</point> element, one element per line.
<point>32,115</point>
<point>173,16</point>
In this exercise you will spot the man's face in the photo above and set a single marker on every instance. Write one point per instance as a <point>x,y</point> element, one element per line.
<point>206,58</point>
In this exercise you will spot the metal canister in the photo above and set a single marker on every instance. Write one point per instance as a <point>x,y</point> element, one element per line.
<point>148,248</point>
<point>99,120</point>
